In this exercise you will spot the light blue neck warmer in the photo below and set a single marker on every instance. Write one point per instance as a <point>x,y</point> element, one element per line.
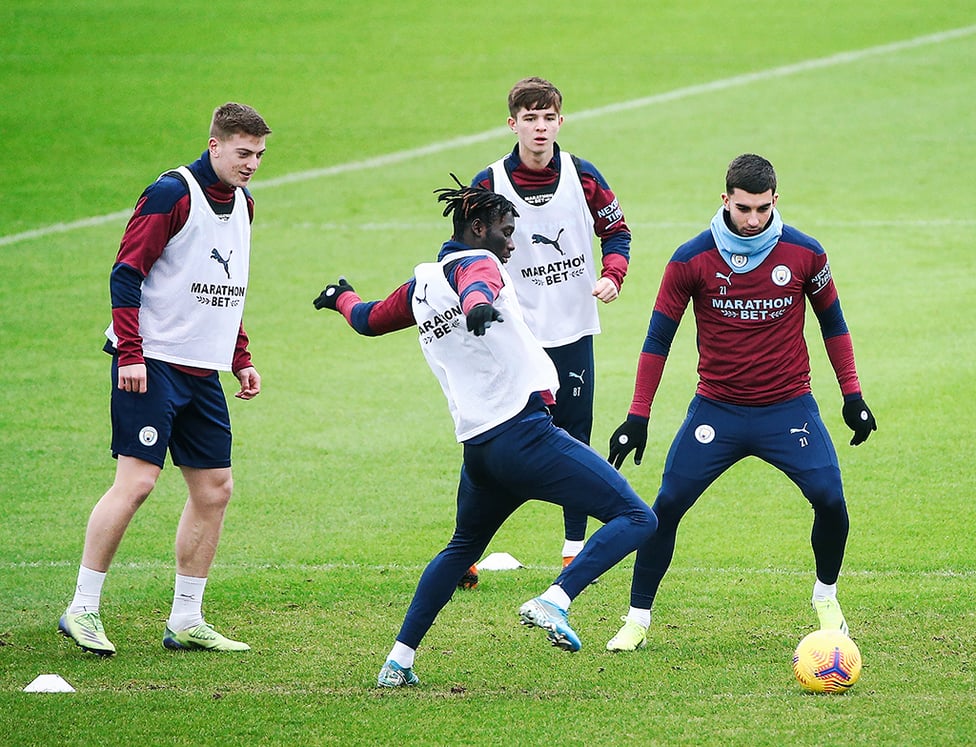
<point>745,253</point>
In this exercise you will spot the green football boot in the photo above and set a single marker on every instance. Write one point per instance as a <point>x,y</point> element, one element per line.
<point>200,638</point>
<point>86,630</point>
<point>630,637</point>
<point>830,614</point>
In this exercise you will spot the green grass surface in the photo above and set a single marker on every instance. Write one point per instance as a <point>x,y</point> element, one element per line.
<point>346,466</point>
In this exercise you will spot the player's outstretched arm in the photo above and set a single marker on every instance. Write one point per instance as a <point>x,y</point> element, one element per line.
<point>369,318</point>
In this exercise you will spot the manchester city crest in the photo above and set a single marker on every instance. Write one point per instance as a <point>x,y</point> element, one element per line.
<point>781,275</point>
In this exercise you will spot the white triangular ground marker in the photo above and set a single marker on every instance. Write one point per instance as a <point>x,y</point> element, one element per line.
<point>499,561</point>
<point>49,683</point>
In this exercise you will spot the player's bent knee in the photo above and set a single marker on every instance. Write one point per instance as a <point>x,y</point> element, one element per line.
<point>219,495</point>
<point>133,491</point>
<point>646,525</point>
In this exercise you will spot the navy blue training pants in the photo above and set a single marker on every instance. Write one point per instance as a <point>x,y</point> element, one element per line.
<point>573,410</point>
<point>790,436</point>
<point>533,459</point>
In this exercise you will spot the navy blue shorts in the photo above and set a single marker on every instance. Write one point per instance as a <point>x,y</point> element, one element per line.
<point>790,436</point>
<point>186,414</point>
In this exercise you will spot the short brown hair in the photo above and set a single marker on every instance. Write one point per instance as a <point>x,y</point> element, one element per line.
<point>534,93</point>
<point>233,118</point>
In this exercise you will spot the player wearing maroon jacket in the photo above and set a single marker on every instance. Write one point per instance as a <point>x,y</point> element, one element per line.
<point>748,279</point>
<point>178,288</point>
<point>563,201</point>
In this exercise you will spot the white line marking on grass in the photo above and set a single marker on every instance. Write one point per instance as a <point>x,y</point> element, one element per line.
<point>841,58</point>
<point>54,228</point>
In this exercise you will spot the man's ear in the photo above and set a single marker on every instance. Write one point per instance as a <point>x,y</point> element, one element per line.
<point>478,228</point>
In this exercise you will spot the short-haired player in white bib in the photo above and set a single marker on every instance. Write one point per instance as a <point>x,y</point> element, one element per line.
<point>178,288</point>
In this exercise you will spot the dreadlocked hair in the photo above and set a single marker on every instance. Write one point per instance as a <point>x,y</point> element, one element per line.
<point>469,203</point>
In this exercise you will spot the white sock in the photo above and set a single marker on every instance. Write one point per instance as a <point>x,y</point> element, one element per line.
<point>402,654</point>
<point>639,616</point>
<point>187,609</point>
<point>88,592</point>
<point>557,596</point>
<point>824,591</point>
<point>572,548</point>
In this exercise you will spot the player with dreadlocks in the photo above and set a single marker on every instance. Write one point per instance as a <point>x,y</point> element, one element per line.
<point>497,379</point>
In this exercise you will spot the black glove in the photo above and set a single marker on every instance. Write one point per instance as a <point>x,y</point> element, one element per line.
<point>481,317</point>
<point>859,419</point>
<point>328,297</point>
<point>631,435</point>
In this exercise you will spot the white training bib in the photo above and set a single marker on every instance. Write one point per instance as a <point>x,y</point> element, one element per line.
<point>486,379</point>
<point>552,266</point>
<point>193,297</point>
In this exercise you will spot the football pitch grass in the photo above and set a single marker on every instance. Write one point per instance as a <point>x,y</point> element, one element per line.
<point>345,466</point>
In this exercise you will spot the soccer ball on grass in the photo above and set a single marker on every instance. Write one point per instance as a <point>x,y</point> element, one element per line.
<point>827,661</point>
